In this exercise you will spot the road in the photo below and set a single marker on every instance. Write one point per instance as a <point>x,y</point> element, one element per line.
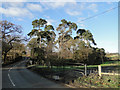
<point>17,76</point>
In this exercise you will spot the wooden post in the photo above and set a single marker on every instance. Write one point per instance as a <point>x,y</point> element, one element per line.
<point>85,70</point>
<point>99,70</point>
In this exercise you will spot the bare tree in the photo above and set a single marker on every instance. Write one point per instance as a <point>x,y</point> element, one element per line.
<point>10,33</point>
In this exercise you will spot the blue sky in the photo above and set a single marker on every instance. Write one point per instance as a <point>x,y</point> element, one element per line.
<point>103,27</point>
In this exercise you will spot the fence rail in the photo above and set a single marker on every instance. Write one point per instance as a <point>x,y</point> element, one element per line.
<point>100,73</point>
<point>110,73</point>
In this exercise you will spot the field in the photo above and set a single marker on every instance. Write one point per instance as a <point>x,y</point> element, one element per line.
<point>113,56</point>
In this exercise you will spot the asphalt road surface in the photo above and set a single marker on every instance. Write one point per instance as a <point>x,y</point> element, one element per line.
<point>17,76</point>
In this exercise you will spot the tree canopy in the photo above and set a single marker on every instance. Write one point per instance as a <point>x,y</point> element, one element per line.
<point>79,48</point>
<point>11,33</point>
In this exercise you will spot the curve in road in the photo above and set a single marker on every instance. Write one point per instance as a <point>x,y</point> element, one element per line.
<point>18,76</point>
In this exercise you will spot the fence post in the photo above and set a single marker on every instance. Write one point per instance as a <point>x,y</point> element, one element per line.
<point>85,70</point>
<point>99,70</point>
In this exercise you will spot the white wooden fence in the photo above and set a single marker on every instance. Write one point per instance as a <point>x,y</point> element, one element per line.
<point>100,73</point>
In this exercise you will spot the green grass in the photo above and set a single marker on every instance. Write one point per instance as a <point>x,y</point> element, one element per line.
<point>108,63</point>
<point>61,68</point>
<point>111,63</point>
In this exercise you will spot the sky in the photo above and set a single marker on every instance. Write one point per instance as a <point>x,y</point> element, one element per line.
<point>104,27</point>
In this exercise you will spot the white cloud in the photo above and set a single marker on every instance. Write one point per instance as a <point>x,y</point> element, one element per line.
<point>53,5</point>
<point>73,12</point>
<point>82,6</point>
<point>46,16</point>
<point>56,4</point>
<point>15,11</point>
<point>75,9</point>
<point>34,7</point>
<point>82,25</point>
<point>50,21</point>
<point>79,8</point>
<point>20,19</point>
<point>109,2</point>
<point>80,22</point>
<point>93,7</point>
<point>13,4</point>
<point>14,0</point>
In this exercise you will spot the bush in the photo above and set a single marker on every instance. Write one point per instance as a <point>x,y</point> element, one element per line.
<point>13,61</point>
<point>93,79</point>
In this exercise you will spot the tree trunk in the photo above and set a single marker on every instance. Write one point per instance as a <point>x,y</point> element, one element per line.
<point>5,57</point>
<point>40,38</point>
<point>40,42</point>
<point>5,54</point>
<point>32,52</point>
<point>102,58</point>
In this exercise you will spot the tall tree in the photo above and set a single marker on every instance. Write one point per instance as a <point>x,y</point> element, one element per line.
<point>45,33</point>
<point>32,44</point>
<point>102,53</point>
<point>41,30</point>
<point>84,38</point>
<point>65,32</point>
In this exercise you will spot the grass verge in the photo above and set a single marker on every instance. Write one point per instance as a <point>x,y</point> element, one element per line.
<point>93,80</point>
